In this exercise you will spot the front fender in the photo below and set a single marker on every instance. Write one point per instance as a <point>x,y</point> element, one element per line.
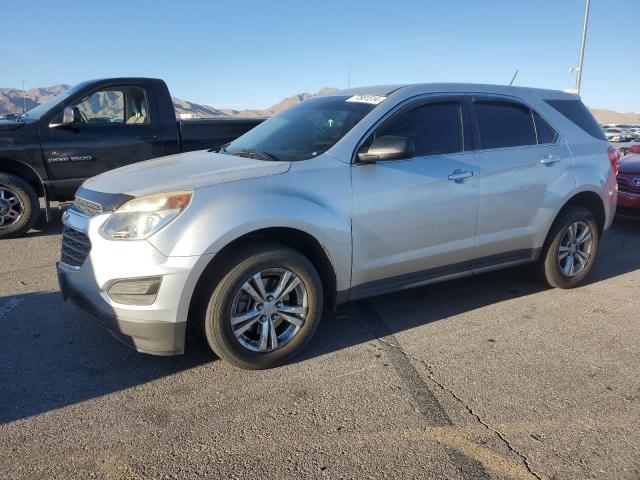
<point>221,214</point>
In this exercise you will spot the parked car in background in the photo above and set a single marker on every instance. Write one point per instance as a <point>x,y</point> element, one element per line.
<point>626,147</point>
<point>90,128</point>
<point>615,135</point>
<point>629,183</point>
<point>343,196</point>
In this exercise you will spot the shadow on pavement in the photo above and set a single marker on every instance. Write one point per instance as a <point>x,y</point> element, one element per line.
<point>53,355</point>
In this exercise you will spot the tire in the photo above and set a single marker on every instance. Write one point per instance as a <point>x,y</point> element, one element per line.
<point>558,272</point>
<point>19,198</point>
<point>227,297</point>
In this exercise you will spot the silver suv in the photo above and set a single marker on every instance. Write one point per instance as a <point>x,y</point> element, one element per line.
<point>344,196</point>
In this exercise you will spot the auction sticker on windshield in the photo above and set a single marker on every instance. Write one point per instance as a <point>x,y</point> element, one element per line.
<point>371,99</point>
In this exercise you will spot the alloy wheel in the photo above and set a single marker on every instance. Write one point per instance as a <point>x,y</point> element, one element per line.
<point>575,248</point>
<point>269,309</point>
<point>11,208</point>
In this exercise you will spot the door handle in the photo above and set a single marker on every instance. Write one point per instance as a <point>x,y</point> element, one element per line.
<point>549,160</point>
<point>458,175</point>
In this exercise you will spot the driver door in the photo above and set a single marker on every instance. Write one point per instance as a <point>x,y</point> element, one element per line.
<point>112,127</point>
<point>415,219</point>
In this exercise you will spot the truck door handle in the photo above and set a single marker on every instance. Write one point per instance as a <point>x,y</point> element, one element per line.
<point>458,175</point>
<point>549,160</point>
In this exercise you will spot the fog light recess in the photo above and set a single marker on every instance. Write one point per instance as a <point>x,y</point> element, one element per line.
<point>134,291</point>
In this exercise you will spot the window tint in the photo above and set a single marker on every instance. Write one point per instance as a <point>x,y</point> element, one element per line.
<point>504,124</point>
<point>576,111</point>
<point>545,133</point>
<point>435,128</point>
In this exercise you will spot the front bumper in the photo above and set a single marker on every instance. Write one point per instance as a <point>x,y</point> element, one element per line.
<point>628,203</point>
<point>158,328</point>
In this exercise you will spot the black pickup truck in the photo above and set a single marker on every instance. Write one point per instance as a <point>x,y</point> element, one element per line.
<point>90,128</point>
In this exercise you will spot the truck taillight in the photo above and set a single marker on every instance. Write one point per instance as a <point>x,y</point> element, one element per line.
<point>614,157</point>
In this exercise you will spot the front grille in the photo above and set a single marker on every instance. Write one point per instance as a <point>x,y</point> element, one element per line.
<point>87,207</point>
<point>75,247</point>
<point>626,184</point>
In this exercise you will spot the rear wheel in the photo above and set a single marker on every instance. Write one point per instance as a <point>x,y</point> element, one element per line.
<point>19,206</point>
<point>265,309</point>
<point>570,250</point>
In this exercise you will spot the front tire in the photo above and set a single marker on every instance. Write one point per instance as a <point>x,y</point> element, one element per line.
<point>265,309</point>
<point>570,249</point>
<point>19,206</point>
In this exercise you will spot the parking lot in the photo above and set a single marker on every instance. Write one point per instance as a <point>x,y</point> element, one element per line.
<point>487,377</point>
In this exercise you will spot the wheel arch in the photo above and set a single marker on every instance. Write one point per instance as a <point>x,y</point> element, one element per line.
<point>592,202</point>
<point>297,239</point>
<point>24,171</point>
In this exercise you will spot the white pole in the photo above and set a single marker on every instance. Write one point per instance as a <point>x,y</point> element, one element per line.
<point>582,46</point>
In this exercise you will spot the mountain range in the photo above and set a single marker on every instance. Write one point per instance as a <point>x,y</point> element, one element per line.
<point>13,100</point>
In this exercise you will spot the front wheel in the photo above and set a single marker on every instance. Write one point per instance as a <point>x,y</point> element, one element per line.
<point>19,207</point>
<point>265,309</point>
<point>570,250</point>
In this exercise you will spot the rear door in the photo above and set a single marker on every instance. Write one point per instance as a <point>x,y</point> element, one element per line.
<point>522,161</point>
<point>113,127</point>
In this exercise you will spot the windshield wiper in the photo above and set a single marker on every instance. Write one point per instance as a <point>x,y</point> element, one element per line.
<point>253,153</point>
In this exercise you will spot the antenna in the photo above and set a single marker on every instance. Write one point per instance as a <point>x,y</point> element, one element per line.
<point>349,81</point>
<point>514,77</point>
<point>24,99</point>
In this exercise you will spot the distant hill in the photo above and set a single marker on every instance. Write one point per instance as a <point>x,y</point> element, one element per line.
<point>611,116</point>
<point>11,101</point>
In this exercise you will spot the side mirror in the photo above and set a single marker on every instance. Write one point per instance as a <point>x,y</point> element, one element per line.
<point>68,118</point>
<point>387,147</point>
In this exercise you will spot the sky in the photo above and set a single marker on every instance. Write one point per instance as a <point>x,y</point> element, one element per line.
<point>251,54</point>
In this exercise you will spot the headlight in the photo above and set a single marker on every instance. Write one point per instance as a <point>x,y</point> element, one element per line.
<point>144,216</point>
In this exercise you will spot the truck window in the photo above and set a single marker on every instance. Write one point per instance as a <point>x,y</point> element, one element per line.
<point>104,106</point>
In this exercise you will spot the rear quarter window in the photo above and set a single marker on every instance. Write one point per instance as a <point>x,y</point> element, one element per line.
<point>579,114</point>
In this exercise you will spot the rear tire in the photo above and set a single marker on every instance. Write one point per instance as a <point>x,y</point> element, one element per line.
<point>269,313</point>
<point>19,206</point>
<point>570,250</point>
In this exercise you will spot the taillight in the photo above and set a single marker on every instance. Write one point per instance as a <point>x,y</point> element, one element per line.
<point>614,157</point>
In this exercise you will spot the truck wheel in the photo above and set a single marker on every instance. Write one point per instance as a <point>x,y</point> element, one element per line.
<point>265,309</point>
<point>19,206</point>
<point>570,249</point>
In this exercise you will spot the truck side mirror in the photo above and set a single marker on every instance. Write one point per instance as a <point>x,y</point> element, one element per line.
<point>387,147</point>
<point>68,118</point>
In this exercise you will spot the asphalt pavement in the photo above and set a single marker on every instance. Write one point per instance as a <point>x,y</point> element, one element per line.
<point>493,376</point>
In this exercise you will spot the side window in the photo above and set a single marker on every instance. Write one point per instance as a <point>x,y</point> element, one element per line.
<point>544,132</point>
<point>136,106</point>
<point>505,124</point>
<point>104,106</point>
<point>435,128</point>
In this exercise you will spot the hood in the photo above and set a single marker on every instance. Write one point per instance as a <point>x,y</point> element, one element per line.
<point>9,124</point>
<point>185,171</point>
<point>630,163</point>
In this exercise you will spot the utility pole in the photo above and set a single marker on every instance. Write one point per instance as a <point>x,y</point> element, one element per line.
<point>24,99</point>
<point>582,46</point>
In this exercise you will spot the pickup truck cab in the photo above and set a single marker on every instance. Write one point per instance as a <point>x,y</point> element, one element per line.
<point>341,197</point>
<point>89,129</point>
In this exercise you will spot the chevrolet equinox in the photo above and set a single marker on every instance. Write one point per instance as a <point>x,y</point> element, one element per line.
<point>343,196</point>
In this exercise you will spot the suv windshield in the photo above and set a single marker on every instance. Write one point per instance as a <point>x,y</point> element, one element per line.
<point>301,132</point>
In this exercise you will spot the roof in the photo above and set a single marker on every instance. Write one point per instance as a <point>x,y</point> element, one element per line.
<point>420,88</point>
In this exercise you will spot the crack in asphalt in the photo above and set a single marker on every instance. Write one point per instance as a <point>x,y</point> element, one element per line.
<point>427,403</point>
<point>467,407</point>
